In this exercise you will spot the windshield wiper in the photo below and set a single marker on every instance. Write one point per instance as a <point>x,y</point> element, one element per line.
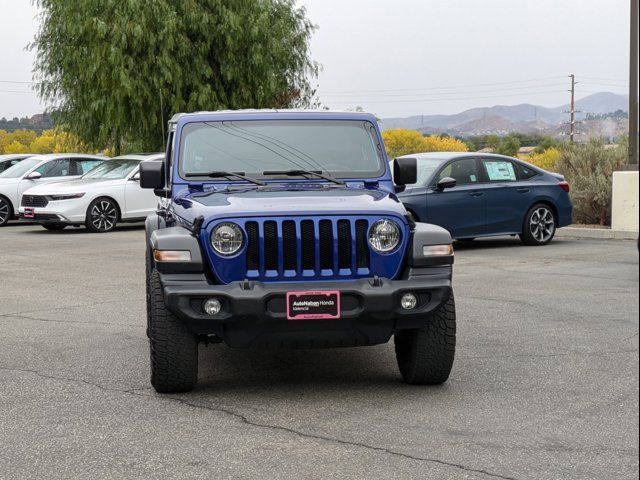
<point>223,174</point>
<point>301,173</point>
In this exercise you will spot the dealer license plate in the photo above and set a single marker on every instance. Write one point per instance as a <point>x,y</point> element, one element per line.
<point>313,305</point>
<point>29,213</point>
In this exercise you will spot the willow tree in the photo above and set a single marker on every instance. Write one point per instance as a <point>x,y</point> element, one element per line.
<point>115,71</point>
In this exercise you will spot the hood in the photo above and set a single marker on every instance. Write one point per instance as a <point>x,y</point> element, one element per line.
<point>72,186</point>
<point>294,202</point>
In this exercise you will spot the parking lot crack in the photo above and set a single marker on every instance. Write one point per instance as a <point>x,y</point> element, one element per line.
<point>51,320</point>
<point>244,419</point>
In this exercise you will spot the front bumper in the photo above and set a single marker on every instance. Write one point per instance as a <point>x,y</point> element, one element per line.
<point>71,212</point>
<point>254,313</point>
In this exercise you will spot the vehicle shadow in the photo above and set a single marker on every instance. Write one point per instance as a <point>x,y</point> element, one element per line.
<point>38,230</point>
<point>271,373</point>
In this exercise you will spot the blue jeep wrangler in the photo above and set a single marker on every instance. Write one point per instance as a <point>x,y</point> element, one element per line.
<point>283,229</point>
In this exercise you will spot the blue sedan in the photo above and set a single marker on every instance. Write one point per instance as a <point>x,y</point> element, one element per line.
<point>481,195</point>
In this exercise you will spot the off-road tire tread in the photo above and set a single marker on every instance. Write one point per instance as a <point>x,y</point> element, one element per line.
<point>174,349</point>
<point>425,356</point>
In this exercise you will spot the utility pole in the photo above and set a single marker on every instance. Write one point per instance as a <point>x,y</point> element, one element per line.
<point>571,107</point>
<point>633,85</point>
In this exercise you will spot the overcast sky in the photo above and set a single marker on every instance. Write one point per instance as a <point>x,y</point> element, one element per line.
<point>418,56</point>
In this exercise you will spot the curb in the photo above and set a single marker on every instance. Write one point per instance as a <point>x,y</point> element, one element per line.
<point>597,233</point>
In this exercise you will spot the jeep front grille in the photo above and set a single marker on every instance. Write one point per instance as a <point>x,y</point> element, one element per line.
<point>290,248</point>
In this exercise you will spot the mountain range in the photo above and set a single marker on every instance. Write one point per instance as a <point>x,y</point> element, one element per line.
<point>502,119</point>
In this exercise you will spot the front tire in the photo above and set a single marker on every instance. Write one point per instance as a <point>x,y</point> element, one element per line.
<point>425,356</point>
<point>173,348</point>
<point>539,225</point>
<point>102,215</point>
<point>6,211</point>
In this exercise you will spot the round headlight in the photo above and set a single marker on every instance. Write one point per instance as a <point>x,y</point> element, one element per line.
<point>227,238</point>
<point>384,236</point>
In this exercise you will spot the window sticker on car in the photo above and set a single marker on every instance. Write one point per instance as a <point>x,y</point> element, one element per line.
<point>473,178</point>
<point>500,171</point>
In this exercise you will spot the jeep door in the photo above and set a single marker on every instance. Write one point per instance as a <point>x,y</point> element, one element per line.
<point>460,209</point>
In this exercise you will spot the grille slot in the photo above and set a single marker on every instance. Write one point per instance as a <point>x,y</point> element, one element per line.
<point>344,244</point>
<point>253,249</point>
<point>289,245</point>
<point>308,245</point>
<point>326,245</point>
<point>271,245</point>
<point>362,246</point>
<point>34,201</point>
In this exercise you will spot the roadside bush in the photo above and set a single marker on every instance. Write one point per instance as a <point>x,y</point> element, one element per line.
<point>589,170</point>
<point>546,160</point>
<point>403,141</point>
<point>49,141</point>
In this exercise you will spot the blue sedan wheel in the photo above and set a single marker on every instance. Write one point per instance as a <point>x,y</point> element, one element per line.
<point>539,225</point>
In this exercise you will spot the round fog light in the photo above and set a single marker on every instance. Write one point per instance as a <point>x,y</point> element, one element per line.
<point>212,306</point>
<point>408,301</point>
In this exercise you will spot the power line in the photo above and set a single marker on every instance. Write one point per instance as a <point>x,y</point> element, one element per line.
<point>441,93</point>
<point>444,99</point>
<point>447,87</point>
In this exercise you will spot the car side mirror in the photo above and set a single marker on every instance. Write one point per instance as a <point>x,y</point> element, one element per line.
<point>34,176</point>
<point>405,172</point>
<point>152,175</point>
<point>446,182</point>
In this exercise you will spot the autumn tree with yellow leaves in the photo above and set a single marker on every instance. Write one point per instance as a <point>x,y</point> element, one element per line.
<point>403,141</point>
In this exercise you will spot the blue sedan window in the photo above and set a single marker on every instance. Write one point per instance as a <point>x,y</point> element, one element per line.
<point>500,171</point>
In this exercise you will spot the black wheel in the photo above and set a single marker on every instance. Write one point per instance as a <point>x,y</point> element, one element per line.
<point>425,356</point>
<point>539,225</point>
<point>6,211</point>
<point>148,270</point>
<point>56,227</point>
<point>174,349</point>
<point>102,215</point>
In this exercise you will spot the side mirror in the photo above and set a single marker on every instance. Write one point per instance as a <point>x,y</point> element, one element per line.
<point>151,175</point>
<point>446,182</point>
<point>405,172</point>
<point>34,176</point>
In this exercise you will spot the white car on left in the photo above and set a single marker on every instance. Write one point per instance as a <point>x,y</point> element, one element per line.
<point>38,170</point>
<point>104,197</point>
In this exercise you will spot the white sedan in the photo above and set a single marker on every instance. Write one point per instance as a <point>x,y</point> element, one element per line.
<point>107,195</point>
<point>38,170</point>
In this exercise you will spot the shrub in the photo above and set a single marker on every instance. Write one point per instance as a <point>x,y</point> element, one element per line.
<point>589,170</point>
<point>546,160</point>
<point>402,142</point>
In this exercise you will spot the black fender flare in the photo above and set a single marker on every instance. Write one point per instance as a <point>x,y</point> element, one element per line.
<point>178,239</point>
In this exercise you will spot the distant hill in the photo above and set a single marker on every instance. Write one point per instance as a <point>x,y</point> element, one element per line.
<point>38,123</point>
<point>502,119</point>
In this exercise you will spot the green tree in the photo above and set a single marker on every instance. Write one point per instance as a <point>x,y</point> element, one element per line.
<point>116,71</point>
<point>509,145</point>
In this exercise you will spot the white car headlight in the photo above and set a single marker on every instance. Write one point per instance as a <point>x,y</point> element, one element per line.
<point>227,238</point>
<point>384,236</point>
<point>65,196</point>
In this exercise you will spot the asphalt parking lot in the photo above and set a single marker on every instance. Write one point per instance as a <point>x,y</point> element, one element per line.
<point>545,384</point>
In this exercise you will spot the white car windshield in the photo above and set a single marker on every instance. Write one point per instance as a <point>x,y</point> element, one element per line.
<point>19,169</point>
<point>113,169</point>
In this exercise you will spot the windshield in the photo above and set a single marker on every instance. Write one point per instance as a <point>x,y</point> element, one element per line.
<point>346,149</point>
<point>19,169</point>
<point>113,169</point>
